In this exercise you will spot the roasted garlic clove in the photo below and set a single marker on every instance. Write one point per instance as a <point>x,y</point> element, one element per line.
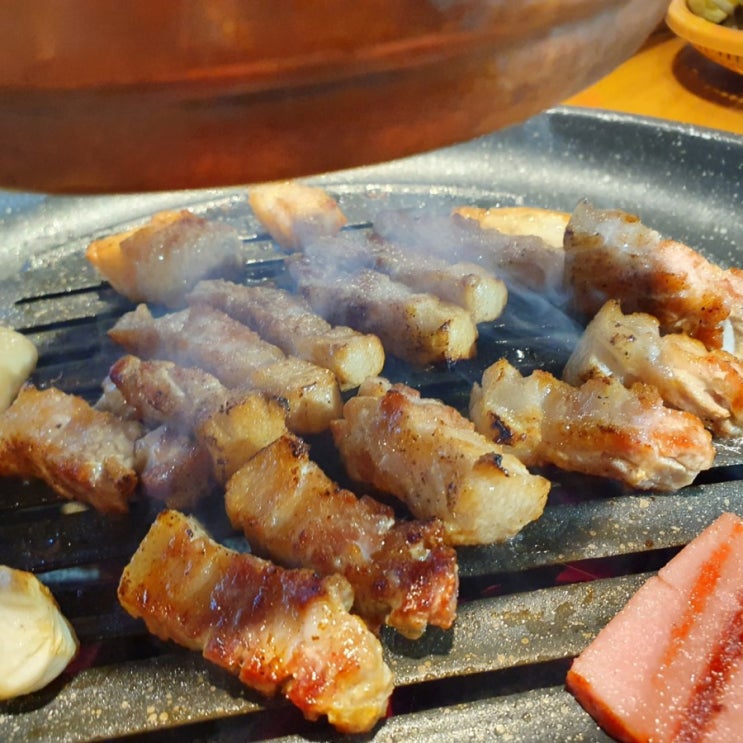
<point>36,642</point>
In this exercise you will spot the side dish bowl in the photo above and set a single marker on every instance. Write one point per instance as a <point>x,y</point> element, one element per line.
<point>721,44</point>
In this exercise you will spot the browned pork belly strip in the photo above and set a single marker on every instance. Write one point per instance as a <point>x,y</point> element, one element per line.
<point>430,457</point>
<point>610,254</point>
<point>230,426</point>
<point>173,467</point>
<point>160,261</point>
<point>416,327</point>
<point>287,320</point>
<point>295,213</point>
<point>83,454</point>
<point>278,630</point>
<point>210,340</point>
<point>630,348</point>
<point>402,574</point>
<point>600,428</point>
<point>547,224</point>
<point>466,285</point>
<point>523,260</point>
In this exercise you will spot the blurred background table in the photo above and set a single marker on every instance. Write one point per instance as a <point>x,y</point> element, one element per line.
<point>669,79</point>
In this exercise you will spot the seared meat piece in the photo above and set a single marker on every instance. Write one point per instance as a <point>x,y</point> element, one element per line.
<point>708,384</point>
<point>600,428</point>
<point>278,630</point>
<point>547,224</point>
<point>466,285</point>
<point>294,213</point>
<point>610,254</point>
<point>237,356</point>
<point>418,328</point>
<point>81,453</point>
<point>288,321</point>
<point>162,260</point>
<point>430,457</point>
<point>402,573</point>
<point>173,468</point>
<point>523,260</point>
<point>230,426</point>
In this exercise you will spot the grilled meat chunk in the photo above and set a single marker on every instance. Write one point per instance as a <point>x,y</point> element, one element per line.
<point>210,340</point>
<point>630,348</point>
<point>610,254</point>
<point>466,285</point>
<point>231,426</point>
<point>173,467</point>
<point>294,213</point>
<point>288,321</point>
<point>162,260</point>
<point>521,260</point>
<point>547,224</point>
<point>401,573</point>
<point>430,457</point>
<point>600,428</point>
<point>83,454</point>
<point>278,630</point>
<point>416,327</point>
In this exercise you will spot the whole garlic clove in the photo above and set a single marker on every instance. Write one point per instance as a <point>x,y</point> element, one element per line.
<point>36,641</point>
<point>18,357</point>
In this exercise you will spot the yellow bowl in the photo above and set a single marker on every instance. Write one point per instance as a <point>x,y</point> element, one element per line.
<point>719,43</point>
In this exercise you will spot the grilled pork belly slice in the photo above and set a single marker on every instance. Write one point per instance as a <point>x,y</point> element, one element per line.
<point>429,456</point>
<point>708,384</point>
<point>416,327</point>
<point>278,630</point>
<point>669,666</point>
<point>83,454</point>
<point>288,321</point>
<point>522,260</point>
<point>467,285</point>
<point>210,340</point>
<point>295,213</point>
<point>162,260</point>
<point>402,573</point>
<point>173,467</point>
<point>231,426</point>
<point>610,254</point>
<point>547,224</point>
<point>600,428</point>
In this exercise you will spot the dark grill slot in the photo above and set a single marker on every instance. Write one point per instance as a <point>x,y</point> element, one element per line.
<point>527,607</point>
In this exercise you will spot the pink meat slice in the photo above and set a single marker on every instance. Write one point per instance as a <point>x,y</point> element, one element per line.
<point>669,666</point>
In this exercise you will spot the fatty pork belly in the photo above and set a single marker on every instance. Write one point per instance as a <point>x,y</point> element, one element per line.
<point>83,454</point>
<point>630,348</point>
<point>669,666</point>
<point>402,573</point>
<point>600,428</point>
<point>522,260</point>
<point>416,327</point>
<point>610,254</point>
<point>160,261</point>
<point>466,285</point>
<point>211,340</point>
<point>287,320</point>
<point>230,426</point>
<point>295,213</point>
<point>430,457</point>
<point>279,630</point>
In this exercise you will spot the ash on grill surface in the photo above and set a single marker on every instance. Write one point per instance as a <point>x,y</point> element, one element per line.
<point>526,607</point>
